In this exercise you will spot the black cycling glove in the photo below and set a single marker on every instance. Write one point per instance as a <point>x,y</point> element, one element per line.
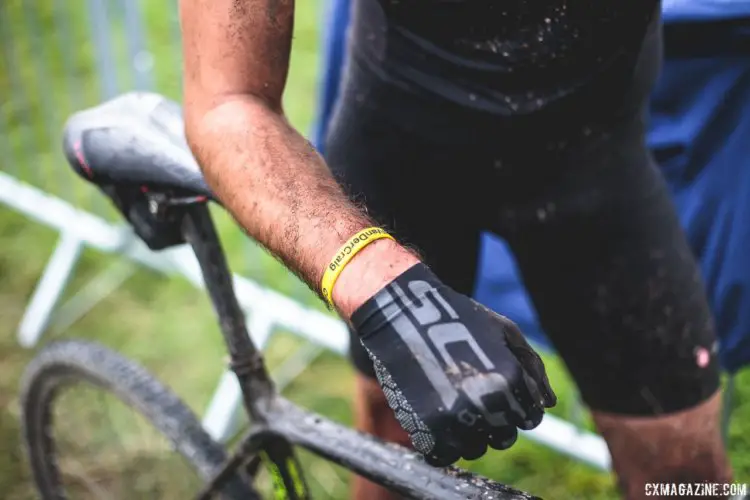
<point>458,376</point>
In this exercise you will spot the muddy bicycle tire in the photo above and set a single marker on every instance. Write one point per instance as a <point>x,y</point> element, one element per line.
<point>73,362</point>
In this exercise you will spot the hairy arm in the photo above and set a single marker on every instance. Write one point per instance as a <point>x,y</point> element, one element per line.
<point>269,177</point>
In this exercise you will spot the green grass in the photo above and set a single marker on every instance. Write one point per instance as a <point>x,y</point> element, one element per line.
<point>163,322</point>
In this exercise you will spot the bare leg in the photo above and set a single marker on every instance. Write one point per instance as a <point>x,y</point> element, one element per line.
<point>684,447</point>
<point>374,416</point>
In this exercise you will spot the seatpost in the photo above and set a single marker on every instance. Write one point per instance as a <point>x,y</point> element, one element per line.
<point>245,359</point>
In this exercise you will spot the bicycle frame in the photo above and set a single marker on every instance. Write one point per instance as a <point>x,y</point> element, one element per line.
<point>277,424</point>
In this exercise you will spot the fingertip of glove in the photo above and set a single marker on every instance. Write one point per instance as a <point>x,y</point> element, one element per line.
<point>504,445</point>
<point>502,440</point>
<point>541,388</point>
<point>550,400</point>
<point>530,424</point>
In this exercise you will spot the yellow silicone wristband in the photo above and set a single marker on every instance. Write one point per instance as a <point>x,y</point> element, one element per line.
<point>346,253</point>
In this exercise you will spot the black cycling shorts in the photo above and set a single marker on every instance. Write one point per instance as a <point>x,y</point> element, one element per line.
<point>575,193</point>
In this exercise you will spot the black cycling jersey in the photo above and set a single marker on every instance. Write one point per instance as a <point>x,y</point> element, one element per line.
<point>500,56</point>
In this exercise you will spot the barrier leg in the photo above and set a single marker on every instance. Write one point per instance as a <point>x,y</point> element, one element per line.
<point>49,289</point>
<point>97,289</point>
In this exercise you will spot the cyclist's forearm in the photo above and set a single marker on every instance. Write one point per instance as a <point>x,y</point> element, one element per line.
<point>280,190</point>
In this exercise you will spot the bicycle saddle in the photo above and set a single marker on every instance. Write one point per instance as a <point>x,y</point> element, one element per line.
<point>134,139</point>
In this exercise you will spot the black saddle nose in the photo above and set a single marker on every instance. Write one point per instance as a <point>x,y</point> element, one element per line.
<point>136,138</point>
